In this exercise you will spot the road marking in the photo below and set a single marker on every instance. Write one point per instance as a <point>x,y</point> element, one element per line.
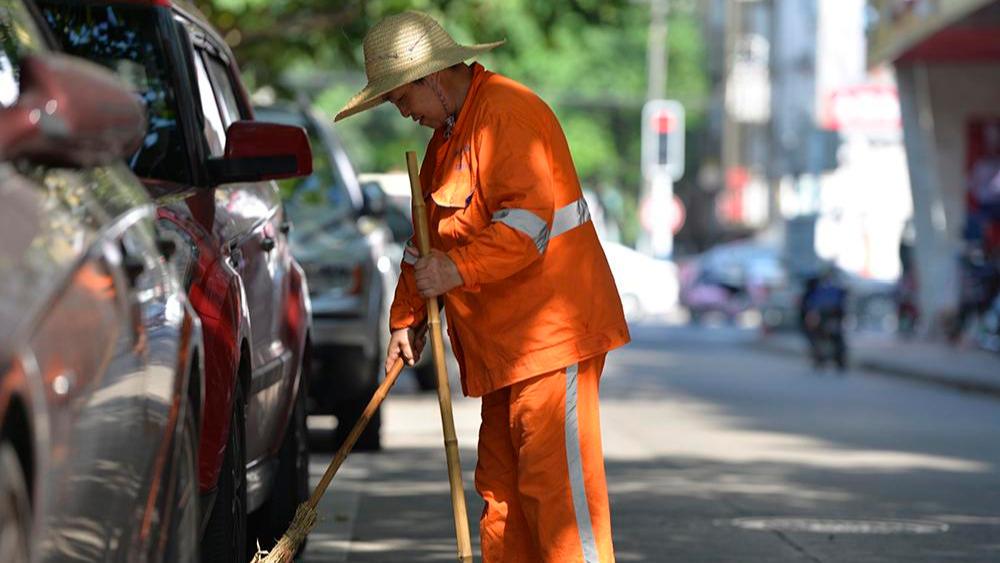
<point>837,526</point>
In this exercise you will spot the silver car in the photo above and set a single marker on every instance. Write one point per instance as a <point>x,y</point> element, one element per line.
<point>100,353</point>
<point>340,237</point>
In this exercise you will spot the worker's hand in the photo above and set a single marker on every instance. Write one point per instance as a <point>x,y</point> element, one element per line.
<point>436,274</point>
<point>403,343</point>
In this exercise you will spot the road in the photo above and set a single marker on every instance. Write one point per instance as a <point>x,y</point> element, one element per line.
<point>716,451</point>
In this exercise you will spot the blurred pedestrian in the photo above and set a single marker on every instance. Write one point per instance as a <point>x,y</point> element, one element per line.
<point>821,314</point>
<point>976,288</point>
<point>906,290</point>
<point>531,305</point>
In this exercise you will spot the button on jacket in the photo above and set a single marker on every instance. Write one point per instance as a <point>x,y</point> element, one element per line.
<point>504,202</point>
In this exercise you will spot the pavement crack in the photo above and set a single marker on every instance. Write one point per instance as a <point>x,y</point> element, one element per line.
<point>740,511</point>
<point>791,543</point>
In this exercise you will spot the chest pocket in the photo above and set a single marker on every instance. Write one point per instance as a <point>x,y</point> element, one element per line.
<point>462,209</point>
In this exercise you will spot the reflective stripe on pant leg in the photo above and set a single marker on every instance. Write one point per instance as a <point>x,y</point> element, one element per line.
<point>575,462</point>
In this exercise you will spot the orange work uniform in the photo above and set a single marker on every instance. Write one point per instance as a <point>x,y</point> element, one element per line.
<point>531,324</point>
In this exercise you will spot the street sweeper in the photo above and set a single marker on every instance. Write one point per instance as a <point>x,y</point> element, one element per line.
<point>532,308</point>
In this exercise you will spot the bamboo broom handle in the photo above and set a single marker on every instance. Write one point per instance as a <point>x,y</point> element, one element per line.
<point>359,427</point>
<point>444,391</point>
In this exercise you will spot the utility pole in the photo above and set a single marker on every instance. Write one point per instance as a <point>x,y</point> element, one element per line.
<point>730,127</point>
<point>656,50</point>
<point>774,147</point>
<point>655,202</point>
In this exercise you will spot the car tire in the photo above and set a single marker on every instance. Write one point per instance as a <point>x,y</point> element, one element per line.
<point>225,538</point>
<point>291,483</point>
<point>349,409</point>
<point>184,543</point>
<point>348,413</point>
<point>696,316</point>
<point>632,308</point>
<point>426,374</point>
<point>15,506</point>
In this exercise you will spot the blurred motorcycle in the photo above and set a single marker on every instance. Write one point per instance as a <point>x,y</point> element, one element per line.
<point>822,313</point>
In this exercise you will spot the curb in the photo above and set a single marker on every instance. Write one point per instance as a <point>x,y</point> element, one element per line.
<point>960,383</point>
<point>881,367</point>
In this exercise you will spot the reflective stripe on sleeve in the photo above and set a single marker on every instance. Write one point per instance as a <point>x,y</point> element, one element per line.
<point>407,257</point>
<point>526,222</point>
<point>570,217</point>
<point>566,218</point>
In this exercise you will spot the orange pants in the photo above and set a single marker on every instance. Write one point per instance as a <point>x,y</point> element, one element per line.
<point>541,470</point>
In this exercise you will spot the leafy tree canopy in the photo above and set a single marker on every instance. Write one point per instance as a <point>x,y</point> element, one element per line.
<point>586,58</point>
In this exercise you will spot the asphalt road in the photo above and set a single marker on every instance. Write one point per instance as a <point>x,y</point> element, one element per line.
<point>715,451</point>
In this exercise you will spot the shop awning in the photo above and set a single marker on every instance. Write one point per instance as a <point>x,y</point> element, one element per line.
<point>960,30</point>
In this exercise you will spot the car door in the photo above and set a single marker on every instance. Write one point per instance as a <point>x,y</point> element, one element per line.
<point>109,346</point>
<point>252,219</point>
<point>98,341</point>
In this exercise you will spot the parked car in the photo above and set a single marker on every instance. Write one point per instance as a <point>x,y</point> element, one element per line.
<point>100,351</point>
<point>211,167</point>
<point>342,241</point>
<point>395,187</point>
<point>730,279</point>
<point>648,287</point>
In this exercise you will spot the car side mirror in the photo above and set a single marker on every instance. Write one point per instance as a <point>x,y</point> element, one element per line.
<point>70,112</point>
<point>257,151</point>
<point>375,201</point>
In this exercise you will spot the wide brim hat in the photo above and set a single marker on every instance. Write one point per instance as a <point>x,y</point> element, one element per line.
<point>402,48</point>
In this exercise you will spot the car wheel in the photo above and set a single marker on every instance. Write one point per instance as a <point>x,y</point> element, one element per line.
<point>225,537</point>
<point>348,413</point>
<point>291,484</point>
<point>349,409</point>
<point>15,507</point>
<point>426,374</point>
<point>696,316</point>
<point>183,546</point>
<point>632,308</point>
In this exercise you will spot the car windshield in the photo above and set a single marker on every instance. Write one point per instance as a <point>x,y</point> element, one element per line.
<point>127,40</point>
<point>315,200</point>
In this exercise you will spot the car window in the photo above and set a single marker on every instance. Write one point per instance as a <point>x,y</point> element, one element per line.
<point>215,129</point>
<point>18,36</point>
<point>224,89</point>
<point>315,200</point>
<point>9,88</point>
<point>321,196</point>
<point>127,40</point>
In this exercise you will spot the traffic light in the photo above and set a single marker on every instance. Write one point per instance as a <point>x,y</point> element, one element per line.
<point>663,123</point>
<point>663,139</point>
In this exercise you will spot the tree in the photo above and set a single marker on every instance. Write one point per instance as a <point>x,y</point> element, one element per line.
<point>586,58</point>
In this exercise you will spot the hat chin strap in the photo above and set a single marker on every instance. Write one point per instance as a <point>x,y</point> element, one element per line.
<point>449,121</point>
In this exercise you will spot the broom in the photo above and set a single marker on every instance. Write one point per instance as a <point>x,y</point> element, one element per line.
<point>305,515</point>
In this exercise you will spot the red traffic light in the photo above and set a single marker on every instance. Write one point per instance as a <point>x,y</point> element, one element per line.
<point>663,122</point>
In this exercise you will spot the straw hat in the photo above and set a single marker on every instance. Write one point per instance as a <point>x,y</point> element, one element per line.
<point>402,48</point>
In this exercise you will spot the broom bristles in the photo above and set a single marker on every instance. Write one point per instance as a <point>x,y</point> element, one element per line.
<point>284,550</point>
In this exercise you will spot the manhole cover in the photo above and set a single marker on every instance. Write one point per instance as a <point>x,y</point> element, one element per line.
<point>836,526</point>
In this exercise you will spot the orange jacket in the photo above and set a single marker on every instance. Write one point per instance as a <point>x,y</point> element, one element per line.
<point>503,201</point>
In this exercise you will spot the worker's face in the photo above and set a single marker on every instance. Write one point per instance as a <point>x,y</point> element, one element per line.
<point>418,101</point>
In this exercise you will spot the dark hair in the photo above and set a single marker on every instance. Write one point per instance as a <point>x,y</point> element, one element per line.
<point>452,67</point>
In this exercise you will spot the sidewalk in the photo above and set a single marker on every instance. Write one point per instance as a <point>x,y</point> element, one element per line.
<point>963,367</point>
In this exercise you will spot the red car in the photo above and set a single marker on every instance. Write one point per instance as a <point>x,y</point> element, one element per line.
<point>100,351</point>
<point>210,167</point>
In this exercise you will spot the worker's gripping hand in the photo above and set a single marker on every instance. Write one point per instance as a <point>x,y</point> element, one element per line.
<point>403,343</point>
<point>436,274</point>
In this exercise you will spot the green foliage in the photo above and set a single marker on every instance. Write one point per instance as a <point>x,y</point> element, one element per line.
<point>586,58</point>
